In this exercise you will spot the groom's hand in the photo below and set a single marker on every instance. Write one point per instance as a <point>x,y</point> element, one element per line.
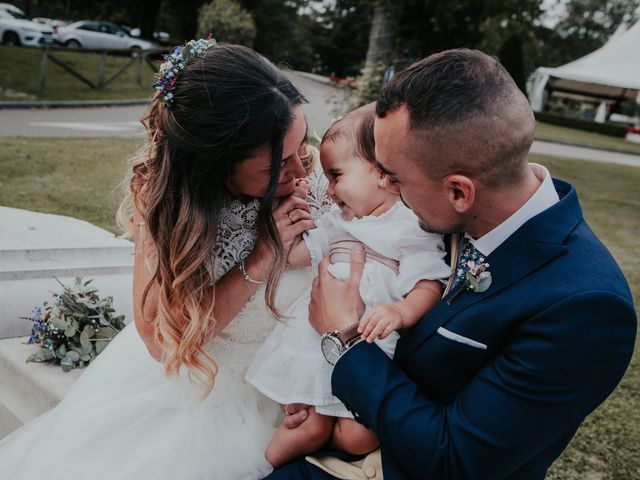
<point>336,304</point>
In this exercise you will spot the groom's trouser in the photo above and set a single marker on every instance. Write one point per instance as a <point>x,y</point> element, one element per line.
<point>299,470</point>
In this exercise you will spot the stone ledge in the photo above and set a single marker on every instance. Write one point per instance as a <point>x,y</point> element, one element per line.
<point>28,389</point>
<point>36,247</point>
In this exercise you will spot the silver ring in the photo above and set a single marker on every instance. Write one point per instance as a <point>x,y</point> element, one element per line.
<point>286,409</point>
<point>289,215</point>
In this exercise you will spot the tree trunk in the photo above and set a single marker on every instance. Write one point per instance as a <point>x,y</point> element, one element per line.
<point>379,52</point>
<point>381,36</point>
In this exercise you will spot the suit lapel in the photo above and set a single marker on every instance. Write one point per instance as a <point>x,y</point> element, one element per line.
<point>533,245</point>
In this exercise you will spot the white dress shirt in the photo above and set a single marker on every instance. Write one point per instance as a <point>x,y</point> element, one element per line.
<point>543,198</point>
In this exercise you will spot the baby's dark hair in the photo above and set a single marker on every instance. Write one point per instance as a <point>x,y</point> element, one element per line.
<point>357,128</point>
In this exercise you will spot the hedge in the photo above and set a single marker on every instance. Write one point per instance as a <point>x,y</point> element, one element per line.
<point>612,129</point>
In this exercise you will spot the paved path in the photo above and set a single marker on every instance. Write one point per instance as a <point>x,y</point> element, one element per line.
<point>125,121</point>
<point>81,122</point>
<point>583,153</point>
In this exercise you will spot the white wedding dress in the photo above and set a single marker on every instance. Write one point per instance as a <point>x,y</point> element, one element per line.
<point>125,420</point>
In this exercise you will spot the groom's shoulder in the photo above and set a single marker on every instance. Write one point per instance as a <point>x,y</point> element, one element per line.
<point>589,265</point>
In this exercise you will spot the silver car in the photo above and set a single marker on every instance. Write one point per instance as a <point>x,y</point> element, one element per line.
<point>16,29</point>
<point>99,35</point>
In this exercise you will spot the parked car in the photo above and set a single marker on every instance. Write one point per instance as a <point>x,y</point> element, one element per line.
<point>161,37</point>
<point>16,29</point>
<point>53,23</point>
<point>90,34</point>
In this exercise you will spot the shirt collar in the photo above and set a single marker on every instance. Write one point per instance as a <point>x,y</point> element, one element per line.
<point>543,198</point>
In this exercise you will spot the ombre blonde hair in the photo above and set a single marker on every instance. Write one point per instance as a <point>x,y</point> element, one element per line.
<point>227,104</point>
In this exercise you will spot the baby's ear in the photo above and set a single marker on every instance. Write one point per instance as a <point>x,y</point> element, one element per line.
<point>387,184</point>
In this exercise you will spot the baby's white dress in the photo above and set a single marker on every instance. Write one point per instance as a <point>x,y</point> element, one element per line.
<point>289,367</point>
<point>125,420</point>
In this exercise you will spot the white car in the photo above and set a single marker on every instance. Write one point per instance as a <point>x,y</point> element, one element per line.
<point>98,35</point>
<point>51,22</point>
<point>16,29</point>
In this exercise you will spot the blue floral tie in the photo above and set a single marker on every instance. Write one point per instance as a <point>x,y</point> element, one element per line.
<point>469,254</point>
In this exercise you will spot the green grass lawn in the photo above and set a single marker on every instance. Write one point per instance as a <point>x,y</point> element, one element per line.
<point>83,177</point>
<point>20,74</point>
<point>546,131</point>
<point>78,177</point>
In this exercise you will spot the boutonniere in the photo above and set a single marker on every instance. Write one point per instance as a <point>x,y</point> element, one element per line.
<point>477,277</point>
<point>472,274</point>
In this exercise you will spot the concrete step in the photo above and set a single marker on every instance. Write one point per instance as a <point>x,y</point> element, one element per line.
<point>28,389</point>
<point>36,248</point>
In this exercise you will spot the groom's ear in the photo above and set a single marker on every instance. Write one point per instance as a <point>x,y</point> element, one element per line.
<point>461,192</point>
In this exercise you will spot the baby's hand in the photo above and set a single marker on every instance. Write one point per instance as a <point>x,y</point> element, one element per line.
<point>302,188</point>
<point>380,321</point>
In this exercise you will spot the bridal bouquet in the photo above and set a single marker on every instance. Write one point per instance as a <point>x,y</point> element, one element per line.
<point>76,328</point>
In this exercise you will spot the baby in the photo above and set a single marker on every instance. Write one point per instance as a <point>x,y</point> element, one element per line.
<point>401,281</point>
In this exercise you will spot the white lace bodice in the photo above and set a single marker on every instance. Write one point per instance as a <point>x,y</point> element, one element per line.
<point>237,232</point>
<point>235,346</point>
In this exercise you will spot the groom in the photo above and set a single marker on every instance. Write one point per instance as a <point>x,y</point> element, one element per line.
<point>494,381</point>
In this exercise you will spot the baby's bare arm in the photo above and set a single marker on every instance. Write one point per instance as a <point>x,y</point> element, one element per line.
<point>299,254</point>
<point>380,321</point>
<point>423,297</point>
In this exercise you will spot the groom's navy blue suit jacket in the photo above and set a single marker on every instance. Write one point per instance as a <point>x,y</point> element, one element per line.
<point>558,324</point>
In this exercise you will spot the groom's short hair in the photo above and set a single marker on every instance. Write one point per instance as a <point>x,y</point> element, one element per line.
<point>466,115</point>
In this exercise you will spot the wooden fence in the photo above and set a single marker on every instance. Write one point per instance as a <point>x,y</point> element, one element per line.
<point>137,58</point>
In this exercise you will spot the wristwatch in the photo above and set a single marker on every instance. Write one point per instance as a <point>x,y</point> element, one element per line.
<point>334,344</point>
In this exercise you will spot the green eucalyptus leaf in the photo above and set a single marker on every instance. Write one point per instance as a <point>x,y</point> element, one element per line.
<point>73,356</point>
<point>106,333</point>
<point>58,323</point>
<point>85,350</point>
<point>101,345</point>
<point>45,355</point>
<point>85,337</point>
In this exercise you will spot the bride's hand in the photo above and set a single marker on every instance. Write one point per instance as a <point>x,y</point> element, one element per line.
<point>293,217</point>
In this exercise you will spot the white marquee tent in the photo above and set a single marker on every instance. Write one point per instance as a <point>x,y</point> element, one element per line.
<point>610,73</point>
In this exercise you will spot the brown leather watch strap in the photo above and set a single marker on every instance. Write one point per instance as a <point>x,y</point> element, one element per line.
<point>349,334</point>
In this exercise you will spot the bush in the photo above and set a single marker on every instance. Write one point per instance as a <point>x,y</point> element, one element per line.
<point>227,21</point>
<point>611,129</point>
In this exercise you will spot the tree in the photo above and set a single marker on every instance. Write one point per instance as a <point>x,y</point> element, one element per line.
<point>227,21</point>
<point>499,27</point>
<point>281,31</point>
<point>585,27</point>
<point>379,51</point>
<point>340,36</point>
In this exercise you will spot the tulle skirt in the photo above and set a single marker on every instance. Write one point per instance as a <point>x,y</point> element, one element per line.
<point>124,419</point>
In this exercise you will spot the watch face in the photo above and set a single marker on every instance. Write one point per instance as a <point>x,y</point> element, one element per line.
<point>331,348</point>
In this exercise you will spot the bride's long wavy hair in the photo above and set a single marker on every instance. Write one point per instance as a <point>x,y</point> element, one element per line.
<point>227,104</point>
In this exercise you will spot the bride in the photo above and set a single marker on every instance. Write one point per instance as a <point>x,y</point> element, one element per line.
<point>212,214</point>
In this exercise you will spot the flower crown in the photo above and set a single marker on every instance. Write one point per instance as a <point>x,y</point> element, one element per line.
<point>175,63</point>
